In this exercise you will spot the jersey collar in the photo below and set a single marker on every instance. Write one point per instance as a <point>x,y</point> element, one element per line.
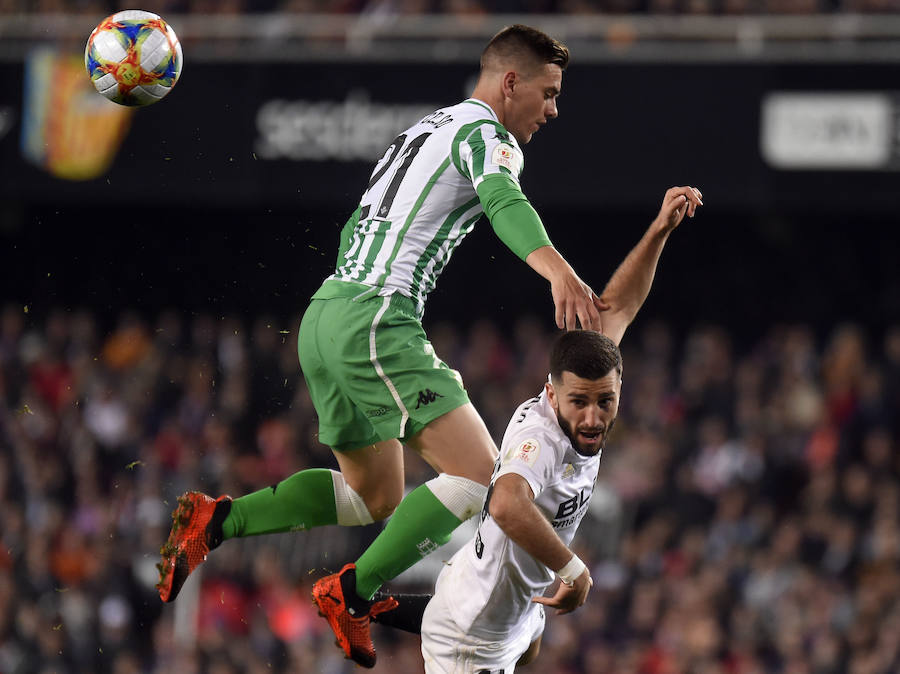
<point>475,101</point>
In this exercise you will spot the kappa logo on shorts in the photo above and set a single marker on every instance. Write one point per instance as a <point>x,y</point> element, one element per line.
<point>427,397</point>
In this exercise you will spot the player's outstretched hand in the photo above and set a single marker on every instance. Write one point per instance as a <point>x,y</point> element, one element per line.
<point>574,300</point>
<point>569,597</point>
<point>678,202</point>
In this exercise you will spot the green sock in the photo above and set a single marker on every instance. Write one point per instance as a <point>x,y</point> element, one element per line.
<point>302,501</point>
<point>419,525</point>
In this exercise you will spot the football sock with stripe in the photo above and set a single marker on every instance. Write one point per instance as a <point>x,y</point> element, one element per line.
<point>421,524</point>
<point>304,500</point>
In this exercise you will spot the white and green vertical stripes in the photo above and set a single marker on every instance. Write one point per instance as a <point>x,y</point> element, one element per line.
<point>421,202</point>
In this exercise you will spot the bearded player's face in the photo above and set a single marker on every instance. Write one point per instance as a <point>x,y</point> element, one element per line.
<point>532,101</point>
<point>586,408</point>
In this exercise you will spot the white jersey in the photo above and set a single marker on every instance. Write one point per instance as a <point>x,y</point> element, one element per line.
<point>489,584</point>
<point>421,202</point>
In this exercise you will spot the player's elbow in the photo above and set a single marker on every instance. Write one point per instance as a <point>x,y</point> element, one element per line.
<point>503,509</point>
<point>511,503</point>
<point>496,510</point>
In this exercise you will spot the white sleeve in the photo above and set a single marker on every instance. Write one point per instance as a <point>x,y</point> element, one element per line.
<point>530,455</point>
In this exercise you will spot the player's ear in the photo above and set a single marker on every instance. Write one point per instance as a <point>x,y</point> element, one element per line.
<point>510,79</point>
<point>551,392</point>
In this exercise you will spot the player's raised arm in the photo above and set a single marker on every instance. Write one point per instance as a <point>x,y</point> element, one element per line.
<point>512,506</point>
<point>630,284</point>
<point>520,88</point>
<point>519,227</point>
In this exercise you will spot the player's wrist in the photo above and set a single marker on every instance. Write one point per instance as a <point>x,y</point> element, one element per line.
<point>547,262</point>
<point>573,568</point>
<point>660,227</point>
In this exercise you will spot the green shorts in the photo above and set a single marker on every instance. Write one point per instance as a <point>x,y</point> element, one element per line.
<point>372,374</point>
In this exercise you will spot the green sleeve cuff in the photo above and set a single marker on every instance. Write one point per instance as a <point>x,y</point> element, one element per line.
<point>513,218</point>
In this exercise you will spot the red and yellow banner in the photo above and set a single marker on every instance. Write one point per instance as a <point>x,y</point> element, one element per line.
<point>68,129</point>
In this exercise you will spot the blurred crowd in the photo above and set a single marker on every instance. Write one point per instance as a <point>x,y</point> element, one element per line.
<point>468,8</point>
<point>746,519</point>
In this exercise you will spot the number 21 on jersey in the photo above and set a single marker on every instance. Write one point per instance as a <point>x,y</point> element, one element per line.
<point>400,156</point>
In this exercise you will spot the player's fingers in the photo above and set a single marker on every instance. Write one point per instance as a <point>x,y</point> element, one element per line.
<point>584,320</point>
<point>560,314</point>
<point>677,207</point>
<point>590,318</point>
<point>674,200</point>
<point>583,594</point>
<point>546,601</point>
<point>690,193</point>
<point>693,200</point>
<point>674,194</point>
<point>684,206</point>
<point>669,201</point>
<point>671,194</point>
<point>698,201</point>
<point>571,315</point>
<point>691,196</point>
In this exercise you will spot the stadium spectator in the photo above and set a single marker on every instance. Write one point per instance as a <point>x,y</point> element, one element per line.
<point>746,520</point>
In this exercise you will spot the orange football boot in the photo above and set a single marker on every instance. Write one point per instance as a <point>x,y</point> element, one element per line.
<point>351,627</point>
<point>196,529</point>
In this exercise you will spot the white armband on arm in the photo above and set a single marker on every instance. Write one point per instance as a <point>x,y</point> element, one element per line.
<point>573,568</point>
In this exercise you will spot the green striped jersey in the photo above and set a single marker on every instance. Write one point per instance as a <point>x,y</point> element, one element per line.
<point>421,202</point>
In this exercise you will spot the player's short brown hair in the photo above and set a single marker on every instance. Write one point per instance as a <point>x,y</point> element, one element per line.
<point>525,45</point>
<point>586,354</point>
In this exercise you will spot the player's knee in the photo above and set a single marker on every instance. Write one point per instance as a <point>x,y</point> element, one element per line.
<point>382,502</point>
<point>381,508</point>
<point>363,504</point>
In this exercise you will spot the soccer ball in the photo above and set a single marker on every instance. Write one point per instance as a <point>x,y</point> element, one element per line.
<point>133,57</point>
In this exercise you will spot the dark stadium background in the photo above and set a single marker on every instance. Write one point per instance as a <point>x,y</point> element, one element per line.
<point>167,290</point>
<point>726,267</point>
<point>189,216</point>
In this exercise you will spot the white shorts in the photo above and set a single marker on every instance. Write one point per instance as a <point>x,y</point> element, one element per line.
<point>447,649</point>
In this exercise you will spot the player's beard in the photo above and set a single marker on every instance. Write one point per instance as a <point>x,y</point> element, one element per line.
<point>573,437</point>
